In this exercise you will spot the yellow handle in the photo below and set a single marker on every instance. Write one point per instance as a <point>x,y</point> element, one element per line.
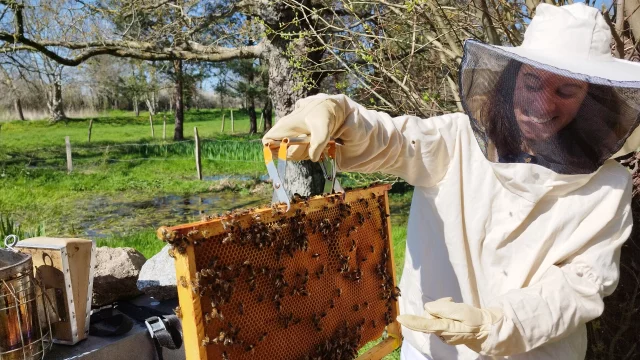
<point>283,145</point>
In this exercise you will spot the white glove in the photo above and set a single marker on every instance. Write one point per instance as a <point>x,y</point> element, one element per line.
<point>454,323</point>
<point>318,118</point>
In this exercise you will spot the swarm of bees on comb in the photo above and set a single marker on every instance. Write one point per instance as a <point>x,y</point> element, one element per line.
<point>314,282</point>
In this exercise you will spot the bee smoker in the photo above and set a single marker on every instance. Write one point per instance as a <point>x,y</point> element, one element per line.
<point>25,332</point>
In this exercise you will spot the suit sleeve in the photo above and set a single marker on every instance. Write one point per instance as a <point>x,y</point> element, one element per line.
<point>415,149</point>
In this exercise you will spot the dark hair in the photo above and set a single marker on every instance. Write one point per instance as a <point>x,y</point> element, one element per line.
<point>573,149</point>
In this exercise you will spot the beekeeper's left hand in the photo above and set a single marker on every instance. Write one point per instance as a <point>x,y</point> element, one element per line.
<point>454,323</point>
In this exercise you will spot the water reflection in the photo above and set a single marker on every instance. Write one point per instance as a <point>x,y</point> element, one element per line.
<point>104,216</point>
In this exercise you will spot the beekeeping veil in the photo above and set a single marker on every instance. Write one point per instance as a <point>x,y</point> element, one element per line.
<point>560,100</point>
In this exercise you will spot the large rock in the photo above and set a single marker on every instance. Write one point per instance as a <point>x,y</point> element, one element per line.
<point>158,276</point>
<point>115,274</point>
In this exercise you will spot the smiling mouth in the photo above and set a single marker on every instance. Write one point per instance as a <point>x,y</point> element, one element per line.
<point>541,120</point>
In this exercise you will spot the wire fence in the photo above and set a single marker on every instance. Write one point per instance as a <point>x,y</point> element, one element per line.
<point>220,156</point>
<point>85,155</point>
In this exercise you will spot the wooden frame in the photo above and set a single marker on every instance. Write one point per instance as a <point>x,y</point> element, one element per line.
<point>190,303</point>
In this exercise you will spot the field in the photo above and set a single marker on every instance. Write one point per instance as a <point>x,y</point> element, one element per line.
<point>123,180</point>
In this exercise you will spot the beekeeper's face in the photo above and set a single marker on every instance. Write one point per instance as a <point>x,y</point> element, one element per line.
<point>545,102</point>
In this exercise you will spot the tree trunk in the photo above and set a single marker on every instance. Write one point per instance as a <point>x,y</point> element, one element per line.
<point>178,134</point>
<point>304,177</point>
<point>267,112</point>
<point>632,13</point>
<point>253,120</point>
<point>54,102</point>
<point>136,108</point>
<point>18,106</point>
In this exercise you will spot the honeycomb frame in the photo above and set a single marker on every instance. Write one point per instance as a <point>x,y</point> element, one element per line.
<point>289,296</point>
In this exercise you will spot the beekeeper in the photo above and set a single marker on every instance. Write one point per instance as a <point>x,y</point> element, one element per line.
<point>518,213</point>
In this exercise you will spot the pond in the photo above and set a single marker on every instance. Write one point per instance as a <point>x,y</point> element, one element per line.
<point>105,216</point>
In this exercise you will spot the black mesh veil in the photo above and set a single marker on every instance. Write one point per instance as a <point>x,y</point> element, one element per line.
<point>526,111</point>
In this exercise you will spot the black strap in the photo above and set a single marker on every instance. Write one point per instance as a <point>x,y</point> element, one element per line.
<point>166,331</point>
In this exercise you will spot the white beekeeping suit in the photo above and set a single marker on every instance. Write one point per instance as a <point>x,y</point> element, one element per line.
<point>518,214</point>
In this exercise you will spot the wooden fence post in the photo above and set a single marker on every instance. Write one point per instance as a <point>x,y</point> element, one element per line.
<point>164,126</point>
<point>233,129</point>
<point>90,126</point>
<point>151,123</point>
<point>69,160</point>
<point>222,128</point>
<point>198,163</point>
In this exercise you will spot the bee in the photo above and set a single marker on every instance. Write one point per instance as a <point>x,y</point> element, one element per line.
<point>353,245</point>
<point>220,337</point>
<point>225,356</point>
<point>241,309</point>
<point>207,318</point>
<point>339,292</point>
<point>387,318</point>
<point>205,341</point>
<point>264,335</point>
<point>183,282</point>
<point>366,305</point>
<point>178,312</point>
<point>356,307</point>
<point>372,248</point>
<point>374,324</point>
<point>315,255</point>
<point>248,348</point>
<point>332,303</point>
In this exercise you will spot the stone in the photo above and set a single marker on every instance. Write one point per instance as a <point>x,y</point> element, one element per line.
<point>115,274</point>
<point>158,276</point>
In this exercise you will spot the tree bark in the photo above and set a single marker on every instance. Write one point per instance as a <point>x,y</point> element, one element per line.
<point>632,13</point>
<point>18,106</point>
<point>253,120</point>
<point>54,102</point>
<point>267,112</point>
<point>179,118</point>
<point>304,177</point>
<point>136,107</point>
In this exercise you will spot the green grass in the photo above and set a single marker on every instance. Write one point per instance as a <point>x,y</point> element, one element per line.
<point>36,188</point>
<point>145,242</point>
<point>114,127</point>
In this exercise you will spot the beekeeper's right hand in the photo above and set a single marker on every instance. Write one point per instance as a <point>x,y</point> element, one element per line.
<point>316,117</point>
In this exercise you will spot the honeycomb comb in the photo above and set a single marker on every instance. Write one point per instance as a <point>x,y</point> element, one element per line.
<point>316,282</point>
